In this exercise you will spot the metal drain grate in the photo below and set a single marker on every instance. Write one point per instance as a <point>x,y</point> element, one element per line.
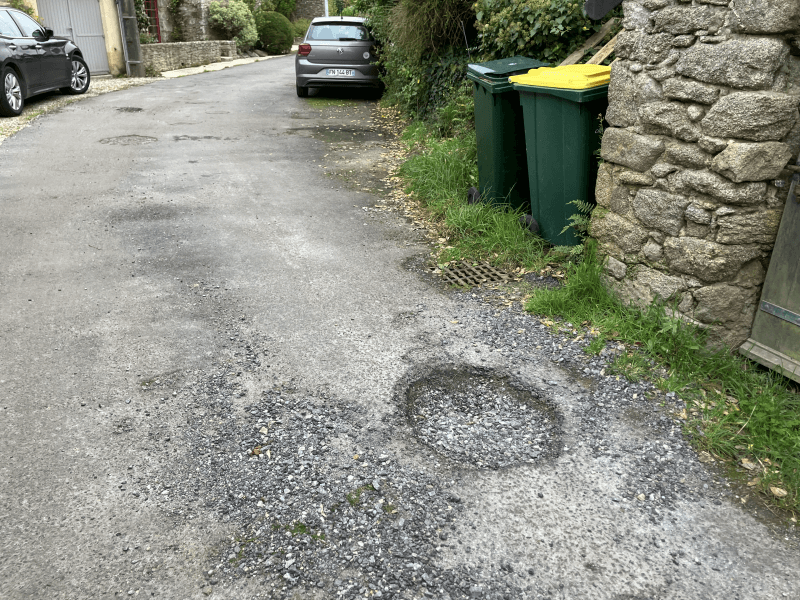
<point>470,275</point>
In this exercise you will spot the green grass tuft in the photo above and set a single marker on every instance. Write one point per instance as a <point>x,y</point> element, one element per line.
<point>354,497</point>
<point>439,175</point>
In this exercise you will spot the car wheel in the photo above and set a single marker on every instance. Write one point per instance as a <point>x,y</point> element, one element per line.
<point>11,101</point>
<point>302,92</point>
<point>80,77</point>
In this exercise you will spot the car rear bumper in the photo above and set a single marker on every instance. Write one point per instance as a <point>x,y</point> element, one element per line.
<point>314,75</point>
<point>336,82</point>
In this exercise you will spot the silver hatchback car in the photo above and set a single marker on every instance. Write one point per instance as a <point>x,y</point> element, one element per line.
<point>336,52</point>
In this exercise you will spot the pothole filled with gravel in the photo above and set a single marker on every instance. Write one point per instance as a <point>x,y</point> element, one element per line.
<point>480,418</point>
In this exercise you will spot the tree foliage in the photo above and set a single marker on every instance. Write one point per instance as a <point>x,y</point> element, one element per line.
<point>422,51</point>
<point>285,7</point>
<point>234,19</point>
<point>548,30</point>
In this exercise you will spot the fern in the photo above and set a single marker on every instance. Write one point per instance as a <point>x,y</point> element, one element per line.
<point>580,220</point>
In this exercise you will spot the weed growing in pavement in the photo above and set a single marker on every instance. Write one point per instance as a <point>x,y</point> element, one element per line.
<point>354,497</point>
<point>326,102</point>
<point>298,528</point>
<point>242,542</point>
<point>735,408</point>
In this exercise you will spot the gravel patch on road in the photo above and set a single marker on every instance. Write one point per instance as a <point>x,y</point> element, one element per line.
<point>46,103</point>
<point>477,418</point>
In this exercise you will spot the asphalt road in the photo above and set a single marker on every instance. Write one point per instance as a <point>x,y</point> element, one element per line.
<point>160,240</point>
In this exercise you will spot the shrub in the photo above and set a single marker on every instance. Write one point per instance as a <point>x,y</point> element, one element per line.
<point>544,29</point>
<point>301,26</point>
<point>235,20</point>
<point>275,32</point>
<point>429,26</point>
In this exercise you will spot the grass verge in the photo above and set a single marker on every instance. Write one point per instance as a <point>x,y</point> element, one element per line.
<point>438,174</point>
<point>747,416</point>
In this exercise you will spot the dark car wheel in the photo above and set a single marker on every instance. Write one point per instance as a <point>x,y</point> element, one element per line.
<point>80,77</point>
<point>11,101</point>
<point>302,92</point>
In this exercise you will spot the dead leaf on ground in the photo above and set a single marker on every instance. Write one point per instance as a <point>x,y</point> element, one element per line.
<point>778,492</point>
<point>750,466</point>
<point>705,457</point>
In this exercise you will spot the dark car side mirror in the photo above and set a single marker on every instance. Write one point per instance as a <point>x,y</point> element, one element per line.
<point>48,33</point>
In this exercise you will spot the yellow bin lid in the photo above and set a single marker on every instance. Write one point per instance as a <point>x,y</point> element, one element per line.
<point>570,77</point>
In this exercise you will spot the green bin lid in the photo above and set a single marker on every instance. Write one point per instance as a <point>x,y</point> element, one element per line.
<point>502,68</point>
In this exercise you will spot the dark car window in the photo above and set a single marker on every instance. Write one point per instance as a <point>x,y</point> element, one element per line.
<point>7,25</point>
<point>337,32</point>
<point>29,27</point>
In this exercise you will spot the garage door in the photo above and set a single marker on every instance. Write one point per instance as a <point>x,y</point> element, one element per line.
<point>78,20</point>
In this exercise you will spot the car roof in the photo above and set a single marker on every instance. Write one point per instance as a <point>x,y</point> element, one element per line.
<point>354,20</point>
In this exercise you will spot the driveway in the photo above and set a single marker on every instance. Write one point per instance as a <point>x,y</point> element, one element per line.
<point>226,373</point>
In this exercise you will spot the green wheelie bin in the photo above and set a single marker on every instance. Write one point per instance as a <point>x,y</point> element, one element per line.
<point>502,168</point>
<point>562,108</point>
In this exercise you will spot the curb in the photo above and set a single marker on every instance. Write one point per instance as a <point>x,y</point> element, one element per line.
<point>217,66</point>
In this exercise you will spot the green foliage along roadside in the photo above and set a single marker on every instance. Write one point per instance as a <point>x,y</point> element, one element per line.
<point>423,54</point>
<point>438,174</point>
<point>301,27</point>
<point>275,32</point>
<point>548,30</point>
<point>285,7</point>
<point>426,44</point>
<point>234,19</point>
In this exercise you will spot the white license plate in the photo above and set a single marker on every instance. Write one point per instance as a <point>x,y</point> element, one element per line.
<point>341,72</point>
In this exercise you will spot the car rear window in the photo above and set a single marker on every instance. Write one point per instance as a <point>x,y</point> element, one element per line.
<point>7,25</point>
<point>338,32</point>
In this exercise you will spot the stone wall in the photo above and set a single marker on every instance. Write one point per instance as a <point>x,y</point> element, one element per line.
<point>308,9</point>
<point>193,18</point>
<point>178,55</point>
<point>703,108</point>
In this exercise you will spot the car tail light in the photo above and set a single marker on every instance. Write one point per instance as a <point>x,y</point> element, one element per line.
<point>304,49</point>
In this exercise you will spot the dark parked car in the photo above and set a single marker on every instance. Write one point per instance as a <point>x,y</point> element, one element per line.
<point>33,60</point>
<point>336,52</point>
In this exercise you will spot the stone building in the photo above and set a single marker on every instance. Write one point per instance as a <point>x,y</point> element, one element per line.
<point>193,21</point>
<point>703,114</point>
<point>308,9</point>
